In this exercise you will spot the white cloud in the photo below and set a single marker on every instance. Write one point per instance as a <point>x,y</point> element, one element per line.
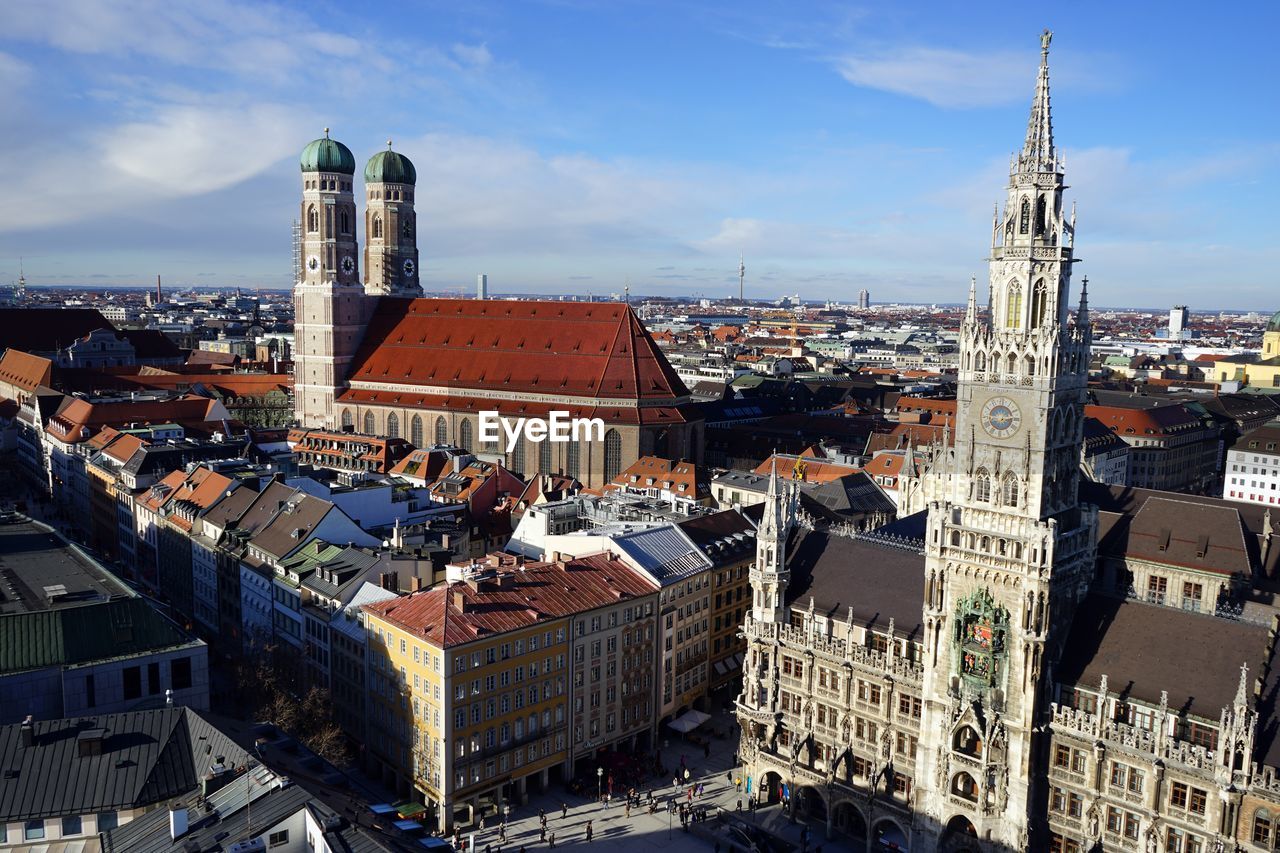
<point>945,78</point>
<point>189,150</point>
<point>475,56</point>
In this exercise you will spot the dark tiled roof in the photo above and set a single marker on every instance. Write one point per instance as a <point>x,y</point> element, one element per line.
<point>879,582</point>
<point>151,343</point>
<point>147,757</point>
<point>1183,533</point>
<point>726,537</point>
<point>1144,649</point>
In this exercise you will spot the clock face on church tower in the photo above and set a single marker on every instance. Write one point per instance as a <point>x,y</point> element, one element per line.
<point>1001,417</point>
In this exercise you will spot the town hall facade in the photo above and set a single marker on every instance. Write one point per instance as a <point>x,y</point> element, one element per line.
<point>975,677</point>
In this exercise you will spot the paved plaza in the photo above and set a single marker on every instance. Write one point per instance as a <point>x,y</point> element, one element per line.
<point>613,831</point>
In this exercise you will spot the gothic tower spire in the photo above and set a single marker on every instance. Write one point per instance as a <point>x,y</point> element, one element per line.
<point>1009,544</point>
<point>1037,150</point>
<point>390,226</point>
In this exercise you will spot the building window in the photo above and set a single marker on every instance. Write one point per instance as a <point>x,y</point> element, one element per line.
<point>415,431</point>
<point>369,425</point>
<point>612,455</point>
<point>1010,497</point>
<point>982,485</point>
<point>180,673</point>
<point>33,830</point>
<point>278,838</point>
<point>107,820</point>
<point>71,825</point>
<point>393,425</point>
<point>1263,827</point>
<point>348,422</point>
<point>1013,312</point>
<point>1157,587</point>
<point>544,458</point>
<point>442,430</point>
<point>132,682</point>
<point>313,219</point>
<point>572,451</point>
<point>464,436</point>
<point>377,227</point>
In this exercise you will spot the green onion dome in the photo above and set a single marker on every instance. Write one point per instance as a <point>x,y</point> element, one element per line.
<point>388,167</point>
<point>328,155</point>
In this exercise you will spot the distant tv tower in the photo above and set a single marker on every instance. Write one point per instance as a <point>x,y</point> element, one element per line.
<point>21,290</point>
<point>742,275</point>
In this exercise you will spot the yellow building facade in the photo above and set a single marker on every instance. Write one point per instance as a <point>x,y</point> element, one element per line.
<point>1261,371</point>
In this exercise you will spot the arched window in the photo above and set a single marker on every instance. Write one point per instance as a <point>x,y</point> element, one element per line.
<point>415,431</point>
<point>982,485</point>
<point>544,458</point>
<point>980,361</point>
<point>442,430</point>
<point>1024,217</point>
<point>612,455</point>
<point>344,223</point>
<point>1029,365</point>
<point>517,457</point>
<point>964,786</point>
<point>348,423</point>
<point>1013,311</point>
<point>1263,827</point>
<point>1012,366</point>
<point>1010,489</point>
<point>408,226</point>
<point>571,453</point>
<point>1039,304</point>
<point>1040,216</point>
<point>464,435</point>
<point>393,425</point>
<point>369,425</point>
<point>967,741</point>
<point>377,227</point>
<point>313,219</point>
<point>328,220</point>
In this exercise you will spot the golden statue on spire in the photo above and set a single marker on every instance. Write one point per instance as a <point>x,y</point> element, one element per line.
<point>1045,38</point>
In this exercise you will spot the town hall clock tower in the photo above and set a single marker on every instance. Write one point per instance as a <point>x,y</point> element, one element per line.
<point>1009,548</point>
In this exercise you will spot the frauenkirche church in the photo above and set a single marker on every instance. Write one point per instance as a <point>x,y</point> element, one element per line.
<point>983,676</point>
<point>371,355</point>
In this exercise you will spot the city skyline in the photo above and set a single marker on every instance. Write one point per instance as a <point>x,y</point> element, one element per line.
<point>854,148</point>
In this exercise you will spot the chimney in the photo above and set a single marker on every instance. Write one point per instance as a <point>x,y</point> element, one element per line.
<point>177,821</point>
<point>459,601</point>
<point>28,732</point>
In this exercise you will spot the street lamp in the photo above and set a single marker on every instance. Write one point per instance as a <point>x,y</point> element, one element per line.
<point>599,784</point>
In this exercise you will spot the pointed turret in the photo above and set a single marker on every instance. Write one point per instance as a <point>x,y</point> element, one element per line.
<point>971,310</point>
<point>1037,151</point>
<point>1082,315</point>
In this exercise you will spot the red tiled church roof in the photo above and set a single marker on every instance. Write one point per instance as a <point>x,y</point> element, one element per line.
<point>579,349</point>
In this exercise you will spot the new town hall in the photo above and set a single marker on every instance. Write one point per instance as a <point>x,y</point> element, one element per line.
<point>1037,664</point>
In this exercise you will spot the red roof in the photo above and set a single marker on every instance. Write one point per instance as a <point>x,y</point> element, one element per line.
<point>583,349</point>
<point>455,613</point>
<point>1155,421</point>
<point>25,370</point>
<point>77,415</point>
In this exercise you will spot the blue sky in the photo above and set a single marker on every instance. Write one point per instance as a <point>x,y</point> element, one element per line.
<point>570,145</point>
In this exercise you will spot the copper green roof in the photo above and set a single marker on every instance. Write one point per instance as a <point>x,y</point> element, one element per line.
<point>120,627</point>
<point>328,155</point>
<point>388,167</point>
<point>1274,324</point>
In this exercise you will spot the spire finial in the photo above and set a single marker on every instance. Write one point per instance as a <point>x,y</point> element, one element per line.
<point>1037,151</point>
<point>1082,314</point>
<point>326,133</point>
<point>1242,689</point>
<point>388,144</point>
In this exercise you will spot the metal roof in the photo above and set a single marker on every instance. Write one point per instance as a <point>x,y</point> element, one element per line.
<point>143,758</point>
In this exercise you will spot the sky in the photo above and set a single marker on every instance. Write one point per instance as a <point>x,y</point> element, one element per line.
<point>569,146</point>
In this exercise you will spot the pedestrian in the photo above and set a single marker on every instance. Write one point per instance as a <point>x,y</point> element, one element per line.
<point>737,783</point>
<point>728,776</point>
<point>551,842</point>
<point>542,816</point>
<point>739,806</point>
<point>542,833</point>
<point>706,750</point>
<point>628,811</point>
<point>564,811</point>
<point>588,831</point>
<point>488,848</point>
<point>482,823</point>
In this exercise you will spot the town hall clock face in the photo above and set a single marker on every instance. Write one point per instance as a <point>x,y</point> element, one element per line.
<point>1001,417</point>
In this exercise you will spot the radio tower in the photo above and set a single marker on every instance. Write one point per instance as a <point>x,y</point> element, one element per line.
<point>20,290</point>
<point>742,275</point>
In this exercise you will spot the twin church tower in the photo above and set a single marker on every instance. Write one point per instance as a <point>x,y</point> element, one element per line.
<point>329,306</point>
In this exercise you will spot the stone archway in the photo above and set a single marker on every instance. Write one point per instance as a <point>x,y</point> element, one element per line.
<point>888,835</point>
<point>847,819</point>
<point>770,788</point>
<point>810,804</point>
<point>960,836</point>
